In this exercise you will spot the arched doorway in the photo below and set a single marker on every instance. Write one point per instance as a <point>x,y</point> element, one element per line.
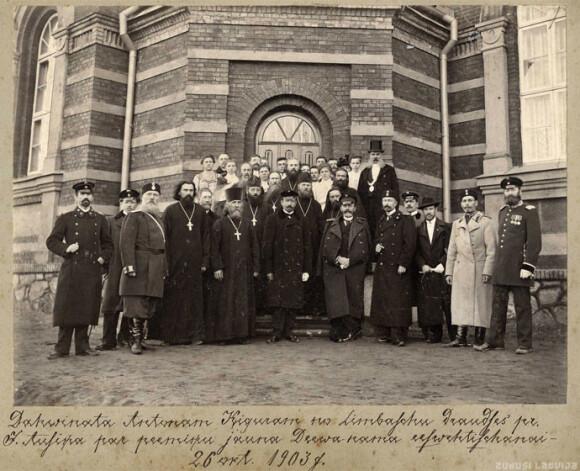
<point>288,134</point>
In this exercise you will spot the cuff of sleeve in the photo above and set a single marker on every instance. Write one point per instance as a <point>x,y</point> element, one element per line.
<point>529,267</point>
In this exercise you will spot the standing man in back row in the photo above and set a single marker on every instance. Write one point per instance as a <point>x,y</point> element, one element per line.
<point>374,181</point>
<point>516,259</point>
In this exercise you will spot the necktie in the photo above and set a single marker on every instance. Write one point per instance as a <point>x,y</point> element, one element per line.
<point>467,218</point>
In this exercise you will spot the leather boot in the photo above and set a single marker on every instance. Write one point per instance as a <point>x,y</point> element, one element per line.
<point>462,334</point>
<point>136,335</point>
<point>479,336</point>
<point>459,337</point>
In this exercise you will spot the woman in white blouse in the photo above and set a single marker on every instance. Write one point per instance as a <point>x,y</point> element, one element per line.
<point>320,189</point>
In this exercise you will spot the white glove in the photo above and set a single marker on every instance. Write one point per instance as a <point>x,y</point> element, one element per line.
<point>526,274</point>
<point>305,277</point>
<point>439,269</point>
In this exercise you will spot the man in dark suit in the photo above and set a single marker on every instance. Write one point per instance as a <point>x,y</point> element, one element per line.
<point>287,264</point>
<point>82,238</point>
<point>434,305</point>
<point>374,181</point>
<point>516,258</point>
<point>345,250</point>
<point>144,264</point>
<point>112,304</point>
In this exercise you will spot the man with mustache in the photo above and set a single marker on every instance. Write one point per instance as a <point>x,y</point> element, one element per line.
<point>342,182</point>
<point>395,240</point>
<point>374,180</point>
<point>292,172</point>
<point>187,249</point>
<point>235,261</point>
<point>515,262</point>
<point>433,293</point>
<point>255,211</point>
<point>343,258</point>
<point>287,263</point>
<point>470,261</point>
<point>144,266</point>
<point>112,304</point>
<point>81,237</point>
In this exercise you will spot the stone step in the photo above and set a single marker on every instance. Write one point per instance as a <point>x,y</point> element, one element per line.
<point>306,326</point>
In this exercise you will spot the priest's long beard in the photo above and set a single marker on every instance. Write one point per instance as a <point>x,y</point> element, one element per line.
<point>187,201</point>
<point>255,200</point>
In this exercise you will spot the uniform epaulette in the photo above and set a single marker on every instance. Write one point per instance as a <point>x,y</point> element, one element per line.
<point>485,216</point>
<point>503,207</point>
<point>529,207</point>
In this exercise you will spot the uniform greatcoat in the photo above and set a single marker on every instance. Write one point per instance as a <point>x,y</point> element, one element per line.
<point>471,255</point>
<point>111,300</point>
<point>287,254</point>
<point>78,293</point>
<point>143,247</point>
<point>392,293</point>
<point>344,288</point>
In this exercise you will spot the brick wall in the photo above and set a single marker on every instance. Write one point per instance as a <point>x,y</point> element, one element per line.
<point>464,101</point>
<point>371,77</point>
<point>204,143</point>
<point>159,119</point>
<point>161,85</point>
<point>467,133</point>
<point>415,59</point>
<point>511,37</point>
<point>417,160</point>
<point>156,155</point>
<point>469,68</point>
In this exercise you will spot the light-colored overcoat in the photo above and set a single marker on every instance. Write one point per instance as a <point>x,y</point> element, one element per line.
<point>471,255</point>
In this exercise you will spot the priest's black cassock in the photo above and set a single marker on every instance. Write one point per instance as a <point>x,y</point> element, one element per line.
<point>235,250</point>
<point>187,248</point>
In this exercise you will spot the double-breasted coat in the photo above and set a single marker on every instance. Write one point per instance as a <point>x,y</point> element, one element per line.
<point>433,292</point>
<point>471,255</point>
<point>344,288</point>
<point>111,299</point>
<point>392,293</point>
<point>519,246</point>
<point>78,292</point>
<point>287,254</point>
<point>143,247</point>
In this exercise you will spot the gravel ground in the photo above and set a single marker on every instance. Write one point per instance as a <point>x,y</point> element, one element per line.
<point>314,371</point>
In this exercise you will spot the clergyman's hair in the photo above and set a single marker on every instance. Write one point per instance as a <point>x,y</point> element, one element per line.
<point>179,186</point>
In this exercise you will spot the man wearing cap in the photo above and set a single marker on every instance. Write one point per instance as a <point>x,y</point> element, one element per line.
<point>112,304</point>
<point>287,263</point>
<point>187,249</point>
<point>374,181</point>
<point>144,264</point>
<point>344,254</point>
<point>309,209</point>
<point>468,270</point>
<point>395,240</point>
<point>431,256</point>
<point>520,243</point>
<point>235,261</point>
<point>82,238</point>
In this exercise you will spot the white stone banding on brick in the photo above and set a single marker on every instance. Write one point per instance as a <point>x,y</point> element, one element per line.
<point>362,129</point>
<point>91,140</point>
<point>418,109</point>
<point>464,117</point>
<point>363,94</point>
<point>283,56</point>
<point>93,105</point>
<point>97,72</point>
<point>160,102</point>
<point>415,75</point>
<point>207,89</point>
<point>162,69</point>
<point>465,85</point>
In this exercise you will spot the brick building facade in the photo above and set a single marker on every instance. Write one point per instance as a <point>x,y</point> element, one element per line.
<point>208,79</point>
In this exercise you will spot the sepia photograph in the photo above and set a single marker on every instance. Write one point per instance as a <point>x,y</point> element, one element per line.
<point>289,205</point>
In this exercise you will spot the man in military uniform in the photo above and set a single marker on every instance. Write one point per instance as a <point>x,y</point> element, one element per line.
<point>343,257</point>
<point>82,238</point>
<point>520,243</point>
<point>112,304</point>
<point>144,264</point>
<point>395,240</point>
<point>468,270</point>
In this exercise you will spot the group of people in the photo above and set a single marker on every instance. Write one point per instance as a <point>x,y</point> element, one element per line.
<point>300,239</point>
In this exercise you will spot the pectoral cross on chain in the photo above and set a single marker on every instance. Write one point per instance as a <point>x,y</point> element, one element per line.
<point>189,225</point>
<point>237,234</point>
<point>254,220</point>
